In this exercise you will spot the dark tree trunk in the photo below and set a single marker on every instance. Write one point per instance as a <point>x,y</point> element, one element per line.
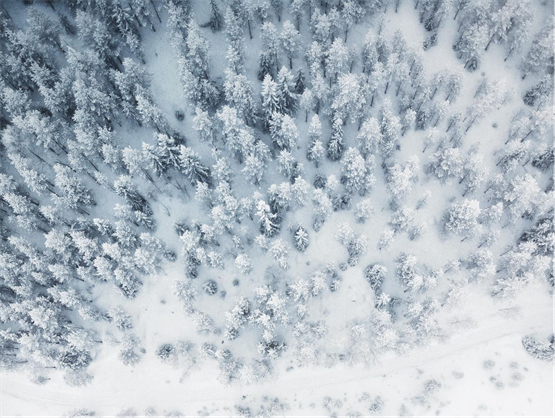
<point>249,26</point>
<point>489,42</point>
<point>155,11</point>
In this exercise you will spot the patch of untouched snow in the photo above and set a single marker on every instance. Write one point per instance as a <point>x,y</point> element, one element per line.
<point>396,379</point>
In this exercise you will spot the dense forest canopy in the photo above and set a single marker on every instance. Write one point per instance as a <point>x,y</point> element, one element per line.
<point>266,163</point>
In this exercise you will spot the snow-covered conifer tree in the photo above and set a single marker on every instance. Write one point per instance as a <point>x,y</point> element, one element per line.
<point>336,144</point>
<point>290,41</point>
<point>283,131</point>
<point>462,218</point>
<point>192,167</point>
<point>540,54</point>
<point>301,238</point>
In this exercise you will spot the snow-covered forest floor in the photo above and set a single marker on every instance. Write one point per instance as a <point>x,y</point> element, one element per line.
<point>276,207</point>
<point>468,387</point>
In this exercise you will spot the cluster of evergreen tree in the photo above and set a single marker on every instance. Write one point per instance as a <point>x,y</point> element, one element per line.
<point>74,80</point>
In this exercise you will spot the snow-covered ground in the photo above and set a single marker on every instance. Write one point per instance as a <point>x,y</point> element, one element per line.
<point>513,385</point>
<point>474,362</point>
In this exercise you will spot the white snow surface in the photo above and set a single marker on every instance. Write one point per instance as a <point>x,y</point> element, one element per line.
<point>480,362</point>
<point>397,379</point>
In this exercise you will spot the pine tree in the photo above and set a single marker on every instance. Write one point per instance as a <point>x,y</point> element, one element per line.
<point>519,32</point>
<point>471,44</point>
<point>168,150</point>
<point>278,7</point>
<point>541,234</point>
<point>390,128</point>
<point>363,211</point>
<point>239,93</point>
<point>408,121</point>
<point>290,41</point>
<point>518,268</point>
<point>432,137</point>
<point>215,22</point>
<point>369,137</point>
<point>408,273</point>
<point>523,197</point>
<point>351,13</point>
<point>401,220</point>
<point>271,102</point>
<point>288,165</point>
<point>204,125</point>
<point>265,66</point>
<point>320,26</point>
<point>462,218</point>
<point>234,33</point>
<point>375,274</point>
<point>512,156</point>
<point>492,214</point>
<point>268,224</point>
<point>453,86</point>
<point>532,125</point>
<point>336,144</point>
<point>148,111</point>
<point>315,59</point>
<point>254,169</point>
<point>301,239</point>
<point>542,350</point>
<point>125,188</point>
<point>474,173</point>
<point>296,9</point>
<point>445,164</point>
<point>300,191</point>
<point>126,26</point>
<point>349,99</point>
<point>506,18</point>
<point>192,167</point>
<point>96,33</point>
<point>132,82</point>
<point>432,13</point>
<point>72,191</point>
<point>369,53</point>
<point>316,148</point>
<point>488,97</point>
<point>307,102</point>
<point>195,69</point>
<point>354,172</point>
<point>544,158</point>
<point>299,83</point>
<point>540,55</point>
<point>244,263</point>
<point>271,43</point>
<point>286,94</point>
<point>401,177</point>
<point>337,59</point>
<point>283,131</point>
<point>323,208</point>
<point>35,180</point>
<point>541,91</point>
<point>356,244</point>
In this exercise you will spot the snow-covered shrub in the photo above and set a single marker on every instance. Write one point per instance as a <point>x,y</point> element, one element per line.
<point>210,287</point>
<point>356,244</point>
<point>375,274</point>
<point>462,218</point>
<point>542,350</point>
<point>301,238</point>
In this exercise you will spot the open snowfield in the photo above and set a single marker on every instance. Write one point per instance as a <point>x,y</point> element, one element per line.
<point>468,388</point>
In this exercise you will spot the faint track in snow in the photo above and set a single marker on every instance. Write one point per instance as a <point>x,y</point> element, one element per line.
<point>196,393</point>
<point>536,318</point>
